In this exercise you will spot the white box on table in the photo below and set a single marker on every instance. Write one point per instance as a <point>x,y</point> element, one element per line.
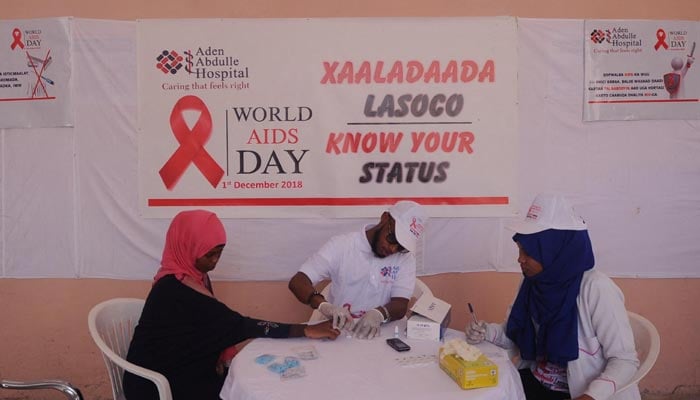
<point>429,318</point>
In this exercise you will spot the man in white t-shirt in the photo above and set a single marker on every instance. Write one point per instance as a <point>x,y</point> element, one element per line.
<point>373,272</point>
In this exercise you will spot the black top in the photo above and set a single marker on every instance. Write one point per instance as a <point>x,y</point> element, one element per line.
<point>181,334</point>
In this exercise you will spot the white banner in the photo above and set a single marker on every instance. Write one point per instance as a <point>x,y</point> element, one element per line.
<point>328,117</point>
<point>35,73</point>
<point>641,70</point>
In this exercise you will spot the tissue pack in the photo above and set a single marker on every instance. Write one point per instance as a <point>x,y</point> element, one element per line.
<point>479,373</point>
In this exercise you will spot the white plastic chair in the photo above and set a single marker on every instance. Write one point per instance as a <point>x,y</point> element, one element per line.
<point>648,344</point>
<point>418,291</point>
<point>111,325</point>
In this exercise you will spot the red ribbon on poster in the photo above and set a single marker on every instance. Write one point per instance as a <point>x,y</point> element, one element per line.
<point>17,39</point>
<point>660,39</point>
<point>191,142</point>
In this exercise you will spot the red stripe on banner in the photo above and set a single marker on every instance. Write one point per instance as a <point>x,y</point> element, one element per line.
<point>330,201</point>
<point>644,101</point>
<point>29,98</point>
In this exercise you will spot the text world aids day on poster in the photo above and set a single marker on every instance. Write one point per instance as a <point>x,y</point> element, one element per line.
<point>329,117</point>
<point>35,73</point>
<point>641,70</point>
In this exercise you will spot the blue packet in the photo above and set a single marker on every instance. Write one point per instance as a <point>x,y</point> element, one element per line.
<point>264,359</point>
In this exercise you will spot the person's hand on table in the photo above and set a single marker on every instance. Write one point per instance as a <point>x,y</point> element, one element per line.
<point>475,331</point>
<point>323,330</point>
<point>340,316</point>
<point>368,326</point>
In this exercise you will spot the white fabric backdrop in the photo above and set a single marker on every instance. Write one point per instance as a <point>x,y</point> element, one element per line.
<point>69,195</point>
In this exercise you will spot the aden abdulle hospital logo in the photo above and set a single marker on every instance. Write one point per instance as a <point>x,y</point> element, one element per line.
<point>390,272</point>
<point>169,61</point>
<point>599,36</point>
<point>617,37</point>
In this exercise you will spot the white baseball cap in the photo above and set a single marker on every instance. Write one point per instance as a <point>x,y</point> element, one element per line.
<point>549,211</point>
<point>410,219</point>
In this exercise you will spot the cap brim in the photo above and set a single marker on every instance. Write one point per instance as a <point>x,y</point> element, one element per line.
<point>525,228</point>
<point>404,236</point>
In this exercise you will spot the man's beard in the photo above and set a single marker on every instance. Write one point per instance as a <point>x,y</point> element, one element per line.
<point>375,244</point>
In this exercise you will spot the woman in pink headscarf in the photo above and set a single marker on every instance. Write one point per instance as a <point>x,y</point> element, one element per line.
<point>184,332</point>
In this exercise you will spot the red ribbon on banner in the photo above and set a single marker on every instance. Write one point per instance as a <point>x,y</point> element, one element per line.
<point>660,39</point>
<point>191,142</point>
<point>17,36</point>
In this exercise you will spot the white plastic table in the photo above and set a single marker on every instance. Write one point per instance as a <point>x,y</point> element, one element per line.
<point>356,369</point>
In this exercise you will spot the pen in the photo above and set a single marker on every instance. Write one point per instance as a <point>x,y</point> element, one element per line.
<point>471,310</point>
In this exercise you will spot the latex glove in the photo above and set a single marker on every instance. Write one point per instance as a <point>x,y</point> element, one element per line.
<point>476,332</point>
<point>368,326</point>
<point>339,315</point>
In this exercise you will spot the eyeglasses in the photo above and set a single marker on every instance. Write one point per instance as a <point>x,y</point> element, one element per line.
<point>391,239</point>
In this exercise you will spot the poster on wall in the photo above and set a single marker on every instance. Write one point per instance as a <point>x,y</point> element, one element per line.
<point>35,73</point>
<point>641,70</point>
<point>304,118</point>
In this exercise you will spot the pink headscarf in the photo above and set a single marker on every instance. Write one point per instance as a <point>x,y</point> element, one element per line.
<point>191,235</point>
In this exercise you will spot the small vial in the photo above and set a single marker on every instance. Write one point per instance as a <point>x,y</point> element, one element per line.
<point>396,331</point>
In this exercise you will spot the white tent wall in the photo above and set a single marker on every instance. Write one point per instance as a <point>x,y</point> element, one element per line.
<point>635,182</point>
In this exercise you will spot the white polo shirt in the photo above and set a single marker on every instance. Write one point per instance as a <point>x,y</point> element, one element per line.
<point>361,280</point>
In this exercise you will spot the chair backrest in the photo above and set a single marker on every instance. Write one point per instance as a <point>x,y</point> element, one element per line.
<point>418,291</point>
<point>111,325</point>
<point>648,344</point>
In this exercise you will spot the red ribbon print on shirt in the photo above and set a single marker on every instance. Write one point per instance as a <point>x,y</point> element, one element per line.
<point>191,144</point>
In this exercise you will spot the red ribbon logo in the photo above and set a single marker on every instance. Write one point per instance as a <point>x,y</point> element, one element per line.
<point>17,36</point>
<point>415,227</point>
<point>660,39</point>
<point>191,144</point>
